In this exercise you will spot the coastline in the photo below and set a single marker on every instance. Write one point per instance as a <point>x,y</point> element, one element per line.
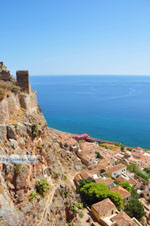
<point>93,139</point>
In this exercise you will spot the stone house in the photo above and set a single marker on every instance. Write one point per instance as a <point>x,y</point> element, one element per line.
<point>86,159</point>
<point>102,210</point>
<point>116,170</point>
<point>123,219</point>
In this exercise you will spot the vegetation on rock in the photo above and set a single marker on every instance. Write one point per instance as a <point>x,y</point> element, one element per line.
<point>35,130</point>
<point>42,186</point>
<point>32,196</point>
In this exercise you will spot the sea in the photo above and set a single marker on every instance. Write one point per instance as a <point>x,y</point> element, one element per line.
<point>114,108</point>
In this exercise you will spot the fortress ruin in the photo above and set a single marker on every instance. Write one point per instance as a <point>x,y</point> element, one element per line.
<point>23,81</point>
<point>22,78</point>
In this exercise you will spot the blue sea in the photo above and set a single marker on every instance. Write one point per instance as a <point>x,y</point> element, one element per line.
<point>115,108</point>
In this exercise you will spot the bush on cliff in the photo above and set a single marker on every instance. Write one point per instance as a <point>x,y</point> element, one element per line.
<point>32,196</point>
<point>35,130</point>
<point>42,186</point>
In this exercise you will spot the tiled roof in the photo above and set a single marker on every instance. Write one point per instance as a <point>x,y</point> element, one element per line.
<point>120,179</point>
<point>103,207</point>
<point>121,190</point>
<point>85,175</point>
<point>116,167</point>
<point>122,219</point>
<point>106,181</point>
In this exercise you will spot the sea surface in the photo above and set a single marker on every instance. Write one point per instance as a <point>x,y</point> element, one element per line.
<point>115,108</point>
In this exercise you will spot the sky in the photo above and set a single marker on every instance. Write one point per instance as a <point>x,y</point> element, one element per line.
<point>50,37</point>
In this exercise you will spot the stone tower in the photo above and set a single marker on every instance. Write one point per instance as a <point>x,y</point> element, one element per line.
<point>23,80</point>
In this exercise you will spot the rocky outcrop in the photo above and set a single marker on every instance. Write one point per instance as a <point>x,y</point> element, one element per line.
<point>16,105</point>
<point>30,152</point>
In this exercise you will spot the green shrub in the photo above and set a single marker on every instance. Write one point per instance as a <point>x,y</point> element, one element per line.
<point>122,148</point>
<point>35,130</point>
<point>147,170</point>
<point>126,185</point>
<point>137,171</point>
<point>116,198</point>
<point>32,196</point>
<point>42,186</point>
<point>129,149</point>
<point>98,155</point>
<point>75,207</point>
<point>134,209</point>
<point>134,194</point>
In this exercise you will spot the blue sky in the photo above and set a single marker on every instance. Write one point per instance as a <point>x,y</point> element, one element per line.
<point>76,36</point>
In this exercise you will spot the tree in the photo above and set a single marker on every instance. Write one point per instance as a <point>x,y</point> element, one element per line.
<point>134,209</point>
<point>116,198</point>
<point>94,192</point>
<point>126,185</point>
<point>83,182</point>
<point>134,194</point>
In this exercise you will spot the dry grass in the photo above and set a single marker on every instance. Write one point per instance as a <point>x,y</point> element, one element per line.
<point>18,116</point>
<point>8,86</point>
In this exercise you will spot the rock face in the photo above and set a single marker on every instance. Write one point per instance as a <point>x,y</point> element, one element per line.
<point>16,105</point>
<point>31,152</point>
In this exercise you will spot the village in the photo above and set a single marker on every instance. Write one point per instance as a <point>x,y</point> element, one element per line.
<point>117,167</point>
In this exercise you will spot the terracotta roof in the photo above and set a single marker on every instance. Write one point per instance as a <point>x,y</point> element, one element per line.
<point>103,207</point>
<point>133,182</point>
<point>120,179</point>
<point>85,175</point>
<point>116,167</point>
<point>86,158</point>
<point>107,181</point>
<point>122,219</point>
<point>121,190</point>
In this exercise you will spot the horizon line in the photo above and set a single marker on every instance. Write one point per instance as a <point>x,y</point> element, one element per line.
<point>91,75</point>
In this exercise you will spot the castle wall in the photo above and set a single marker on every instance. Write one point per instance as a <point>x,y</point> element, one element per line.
<point>23,80</point>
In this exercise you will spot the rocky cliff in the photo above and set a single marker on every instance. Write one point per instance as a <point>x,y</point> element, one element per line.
<point>37,164</point>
